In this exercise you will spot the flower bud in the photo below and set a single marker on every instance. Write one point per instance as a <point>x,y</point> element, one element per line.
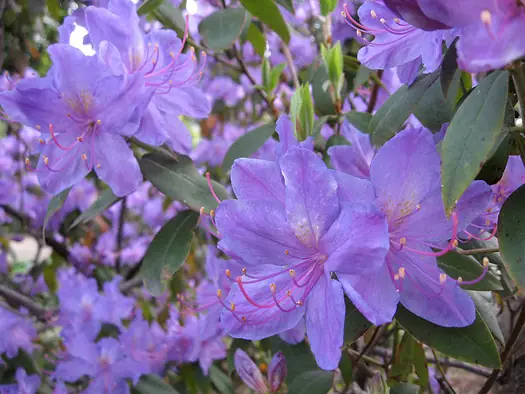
<point>249,372</point>
<point>277,371</point>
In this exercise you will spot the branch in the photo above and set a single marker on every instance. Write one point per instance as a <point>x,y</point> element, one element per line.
<point>21,300</point>
<point>476,251</point>
<point>291,66</point>
<point>375,94</point>
<point>120,233</point>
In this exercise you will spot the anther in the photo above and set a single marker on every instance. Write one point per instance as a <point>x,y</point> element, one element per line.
<point>243,318</point>
<point>37,127</point>
<point>46,160</point>
<point>486,17</point>
<point>460,280</point>
<point>383,21</point>
<point>418,207</point>
<point>289,293</point>
<point>299,303</point>
<point>402,272</point>
<point>455,243</point>
<point>373,14</point>
<point>27,161</point>
<point>219,293</point>
<point>228,273</point>
<point>98,165</point>
<point>244,270</point>
<point>201,211</point>
<point>397,20</point>
<point>286,252</point>
<point>442,278</point>
<point>41,141</point>
<point>273,287</point>
<point>232,306</point>
<point>485,262</point>
<point>99,122</point>
<point>292,273</point>
<point>402,241</point>
<point>212,213</point>
<point>80,139</point>
<point>84,156</point>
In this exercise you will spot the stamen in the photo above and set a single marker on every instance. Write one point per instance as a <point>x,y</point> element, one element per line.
<point>480,278</point>
<point>210,186</point>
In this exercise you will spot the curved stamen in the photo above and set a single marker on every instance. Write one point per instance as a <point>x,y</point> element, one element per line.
<point>277,303</point>
<point>55,140</point>
<point>210,186</point>
<point>478,279</point>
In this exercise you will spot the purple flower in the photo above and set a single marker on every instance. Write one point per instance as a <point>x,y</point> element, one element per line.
<point>295,223</point>
<point>157,60</point>
<point>353,159</point>
<point>294,335</point>
<point>146,345</point>
<point>83,117</point>
<point>112,306</point>
<point>406,176</point>
<point>104,362</point>
<point>18,333</point>
<point>252,376</point>
<point>24,384</point>
<point>396,43</point>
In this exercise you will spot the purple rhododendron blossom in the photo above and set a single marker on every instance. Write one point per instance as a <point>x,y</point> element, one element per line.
<point>24,384</point>
<point>18,333</point>
<point>83,117</point>
<point>157,60</point>
<point>291,236</point>
<point>405,174</point>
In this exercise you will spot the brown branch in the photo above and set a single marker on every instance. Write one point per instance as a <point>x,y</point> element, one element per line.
<point>375,93</point>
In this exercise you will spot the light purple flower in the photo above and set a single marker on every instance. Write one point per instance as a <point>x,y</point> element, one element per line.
<point>18,333</point>
<point>406,176</point>
<point>24,384</point>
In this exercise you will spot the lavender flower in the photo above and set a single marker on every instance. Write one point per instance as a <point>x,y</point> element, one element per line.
<point>18,331</point>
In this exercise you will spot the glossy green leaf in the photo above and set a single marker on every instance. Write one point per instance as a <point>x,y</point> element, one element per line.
<point>327,6</point>
<point>355,323</point>
<point>170,17</point>
<point>180,180</point>
<point>105,200</point>
<point>275,76</point>
<point>220,29</point>
<point>362,75</point>
<point>434,108</point>
<point>449,69</point>
<point>494,168</point>
<point>311,382</point>
<point>473,133</point>
<point>221,381</point>
<point>148,6</point>
<point>54,206</point>
<point>324,103</point>
<point>248,144</point>
<point>404,388</point>
<point>256,38</point>
<point>487,310</point>
<point>346,366</point>
<point>168,251</point>
<point>336,139</point>
<point>269,14</point>
<point>410,357</point>
<point>457,265</point>
<point>511,235</point>
<point>389,119</point>
<point>299,358</point>
<point>473,344</point>
<point>152,384</point>
<point>360,120</point>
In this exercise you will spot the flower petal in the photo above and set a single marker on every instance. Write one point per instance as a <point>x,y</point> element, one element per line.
<point>254,179</point>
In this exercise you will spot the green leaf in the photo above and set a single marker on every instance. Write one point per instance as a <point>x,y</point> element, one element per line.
<point>256,38</point>
<point>434,108</point>
<point>104,201</point>
<point>311,382</point>
<point>324,103</point>
<point>457,265</point>
<point>336,140</point>
<point>275,76</point>
<point>449,69</point>
<point>307,114</point>
<point>511,235</point>
<point>471,136</point>
<point>404,388</point>
<point>327,6</point>
<point>299,358</point>
<point>318,125</point>
<point>355,323</point>
<point>54,206</point>
<point>221,381</point>
<point>410,356</point>
<point>485,307</point>
<point>180,180</point>
<point>170,17</point>
<point>363,73</point>
<point>148,7</point>
<point>220,29</point>
<point>287,4</point>
<point>346,366</point>
<point>168,251</point>
<point>389,119</point>
<point>248,144</point>
<point>269,14</point>
<point>473,344</point>
<point>152,384</point>
<point>494,168</point>
<point>360,120</point>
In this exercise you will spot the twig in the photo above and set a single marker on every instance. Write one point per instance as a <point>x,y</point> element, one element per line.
<point>120,233</point>
<point>369,345</point>
<point>18,299</point>
<point>291,66</point>
<point>126,287</point>
<point>443,374</point>
<point>375,94</point>
<point>506,351</point>
<point>476,251</point>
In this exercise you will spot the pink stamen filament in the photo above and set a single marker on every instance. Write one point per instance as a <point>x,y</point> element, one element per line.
<point>210,186</point>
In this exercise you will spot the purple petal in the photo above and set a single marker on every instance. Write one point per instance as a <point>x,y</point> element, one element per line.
<point>254,179</point>
<point>455,14</point>
<point>357,242</point>
<point>118,166</point>
<point>179,137</point>
<point>374,295</point>
<point>352,189</point>
<point>410,11</point>
<point>286,135</point>
<point>312,204</point>
<point>294,335</point>
<point>325,317</point>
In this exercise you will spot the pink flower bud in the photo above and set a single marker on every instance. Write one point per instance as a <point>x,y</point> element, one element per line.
<point>277,371</point>
<point>249,372</point>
